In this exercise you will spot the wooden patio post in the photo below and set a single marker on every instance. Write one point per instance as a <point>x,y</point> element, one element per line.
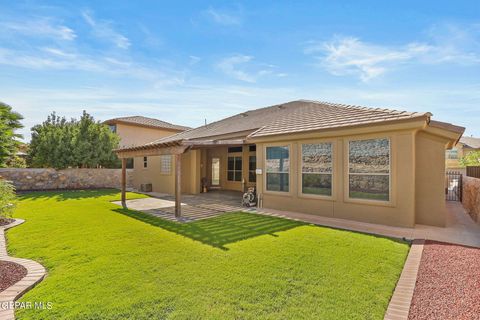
<point>178,185</point>
<point>124,182</point>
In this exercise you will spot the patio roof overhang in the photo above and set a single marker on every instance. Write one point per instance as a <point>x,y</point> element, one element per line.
<point>172,147</point>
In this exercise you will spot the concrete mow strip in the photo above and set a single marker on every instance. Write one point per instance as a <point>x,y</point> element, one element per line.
<point>35,273</point>
<point>399,305</point>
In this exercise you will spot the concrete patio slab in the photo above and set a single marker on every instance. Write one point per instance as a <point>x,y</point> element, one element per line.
<point>194,207</point>
<point>148,204</point>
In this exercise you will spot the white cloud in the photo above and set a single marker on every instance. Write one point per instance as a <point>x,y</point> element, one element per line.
<point>229,66</point>
<point>103,29</point>
<point>50,58</point>
<point>223,17</point>
<point>43,27</point>
<point>351,56</point>
<point>242,67</point>
<point>194,60</point>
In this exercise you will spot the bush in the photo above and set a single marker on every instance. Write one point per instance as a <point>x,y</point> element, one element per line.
<point>7,199</point>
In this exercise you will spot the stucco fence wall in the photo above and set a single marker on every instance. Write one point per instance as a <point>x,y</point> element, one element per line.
<point>51,179</point>
<point>471,197</point>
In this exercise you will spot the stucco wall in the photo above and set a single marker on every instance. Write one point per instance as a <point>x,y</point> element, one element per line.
<point>136,135</point>
<point>430,180</point>
<point>471,197</point>
<point>399,211</point>
<point>165,183</point>
<point>49,179</point>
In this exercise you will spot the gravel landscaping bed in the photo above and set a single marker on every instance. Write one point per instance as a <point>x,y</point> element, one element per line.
<point>5,221</point>
<point>448,283</point>
<point>10,273</point>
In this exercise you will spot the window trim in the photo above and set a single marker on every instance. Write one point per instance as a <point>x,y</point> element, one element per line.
<point>391,166</point>
<point>291,166</point>
<point>300,170</point>
<point>449,152</point>
<point>235,155</point>
<point>161,164</point>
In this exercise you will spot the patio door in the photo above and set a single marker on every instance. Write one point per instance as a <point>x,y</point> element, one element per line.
<point>215,172</point>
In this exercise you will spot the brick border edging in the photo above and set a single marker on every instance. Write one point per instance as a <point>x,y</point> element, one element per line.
<point>399,306</point>
<point>35,273</point>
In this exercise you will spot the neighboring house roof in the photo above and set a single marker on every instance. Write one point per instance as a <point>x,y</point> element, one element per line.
<point>147,122</point>
<point>295,116</point>
<point>471,142</point>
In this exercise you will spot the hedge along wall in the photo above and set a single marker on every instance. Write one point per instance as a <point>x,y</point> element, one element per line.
<point>50,179</point>
<point>471,197</point>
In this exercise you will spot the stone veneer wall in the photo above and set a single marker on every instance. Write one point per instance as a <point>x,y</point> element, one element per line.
<point>50,179</point>
<point>471,197</point>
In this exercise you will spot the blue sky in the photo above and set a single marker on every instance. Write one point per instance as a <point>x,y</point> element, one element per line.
<point>189,60</point>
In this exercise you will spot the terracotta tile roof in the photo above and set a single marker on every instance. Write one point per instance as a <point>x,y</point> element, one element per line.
<point>471,142</point>
<point>295,116</point>
<point>147,122</point>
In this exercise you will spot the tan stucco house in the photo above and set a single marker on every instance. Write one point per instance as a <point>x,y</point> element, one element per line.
<point>366,164</point>
<point>138,130</point>
<point>460,150</point>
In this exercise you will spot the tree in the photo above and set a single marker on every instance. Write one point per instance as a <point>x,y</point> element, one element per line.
<point>9,143</point>
<point>59,143</point>
<point>471,159</point>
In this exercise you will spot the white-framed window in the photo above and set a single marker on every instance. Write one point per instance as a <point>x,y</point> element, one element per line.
<point>369,169</point>
<point>145,162</point>
<point>452,154</point>
<point>317,168</point>
<point>165,164</point>
<point>234,169</point>
<point>277,167</point>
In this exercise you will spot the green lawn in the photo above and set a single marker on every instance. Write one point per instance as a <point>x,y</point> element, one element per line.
<point>108,263</point>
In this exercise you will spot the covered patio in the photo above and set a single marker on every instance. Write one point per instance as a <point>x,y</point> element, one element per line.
<point>193,207</point>
<point>190,162</point>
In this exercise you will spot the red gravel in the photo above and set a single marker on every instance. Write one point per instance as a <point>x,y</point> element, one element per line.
<point>5,221</point>
<point>10,273</point>
<point>448,283</point>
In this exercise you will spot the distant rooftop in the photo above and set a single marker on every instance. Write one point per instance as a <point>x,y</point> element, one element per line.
<point>471,142</point>
<point>147,122</point>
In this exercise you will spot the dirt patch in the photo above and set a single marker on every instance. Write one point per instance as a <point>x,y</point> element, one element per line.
<point>5,221</point>
<point>448,283</point>
<point>10,273</point>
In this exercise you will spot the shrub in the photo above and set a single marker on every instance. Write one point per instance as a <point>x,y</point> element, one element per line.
<point>7,199</point>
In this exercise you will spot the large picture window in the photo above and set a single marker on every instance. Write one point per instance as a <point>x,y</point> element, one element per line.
<point>317,169</point>
<point>369,169</point>
<point>234,171</point>
<point>277,168</point>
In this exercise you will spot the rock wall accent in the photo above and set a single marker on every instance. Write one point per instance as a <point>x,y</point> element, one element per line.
<point>51,179</point>
<point>471,197</point>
